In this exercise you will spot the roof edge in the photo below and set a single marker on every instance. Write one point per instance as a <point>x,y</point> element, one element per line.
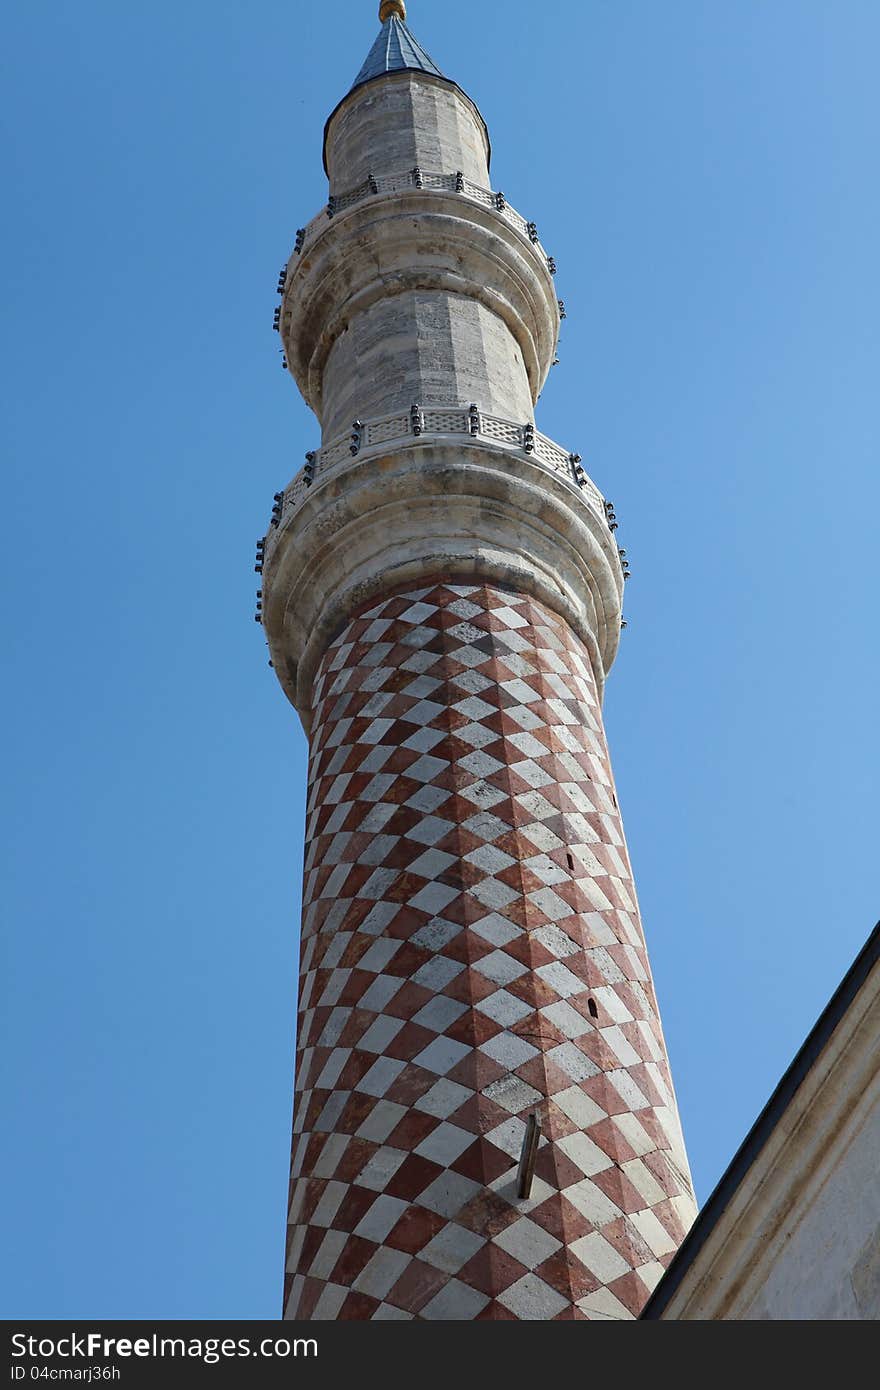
<point>761,1130</point>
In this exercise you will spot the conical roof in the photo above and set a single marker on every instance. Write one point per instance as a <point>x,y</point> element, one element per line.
<point>395,50</point>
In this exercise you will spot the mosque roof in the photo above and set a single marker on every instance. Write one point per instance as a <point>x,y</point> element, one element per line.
<point>838,1025</point>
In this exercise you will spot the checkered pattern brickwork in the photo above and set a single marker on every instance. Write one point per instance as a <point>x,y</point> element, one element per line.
<point>471,952</point>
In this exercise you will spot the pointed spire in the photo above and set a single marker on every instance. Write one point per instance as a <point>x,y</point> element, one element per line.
<point>395,49</point>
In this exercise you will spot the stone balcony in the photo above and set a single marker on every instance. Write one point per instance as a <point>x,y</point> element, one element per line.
<point>416,232</point>
<point>434,424</point>
<point>417,178</point>
<point>446,490</point>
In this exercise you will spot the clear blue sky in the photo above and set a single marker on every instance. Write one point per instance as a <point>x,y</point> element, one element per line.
<point>705,174</point>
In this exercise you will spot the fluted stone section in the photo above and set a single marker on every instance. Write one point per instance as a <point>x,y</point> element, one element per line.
<point>405,120</point>
<point>358,278</point>
<point>423,346</point>
<point>472,954</point>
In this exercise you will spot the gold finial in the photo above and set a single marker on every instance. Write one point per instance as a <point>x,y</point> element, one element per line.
<point>390,7</point>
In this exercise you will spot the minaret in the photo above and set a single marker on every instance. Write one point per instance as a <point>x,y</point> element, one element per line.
<point>484,1122</point>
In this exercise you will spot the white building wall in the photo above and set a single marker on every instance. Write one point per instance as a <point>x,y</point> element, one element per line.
<point>798,1236</point>
<point>829,1267</point>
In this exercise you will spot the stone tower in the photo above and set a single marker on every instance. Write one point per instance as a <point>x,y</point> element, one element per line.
<point>484,1122</point>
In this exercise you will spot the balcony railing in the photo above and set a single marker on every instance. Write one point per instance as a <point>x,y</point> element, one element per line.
<point>434,423</point>
<point>418,178</point>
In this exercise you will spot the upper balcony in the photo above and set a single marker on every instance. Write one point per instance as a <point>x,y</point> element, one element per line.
<point>418,178</point>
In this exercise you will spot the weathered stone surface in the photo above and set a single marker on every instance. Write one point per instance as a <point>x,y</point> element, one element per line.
<point>424,346</point>
<point>402,243</point>
<point>404,120</point>
<point>422,509</point>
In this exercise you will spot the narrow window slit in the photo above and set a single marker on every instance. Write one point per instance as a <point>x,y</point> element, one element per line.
<point>593,1008</point>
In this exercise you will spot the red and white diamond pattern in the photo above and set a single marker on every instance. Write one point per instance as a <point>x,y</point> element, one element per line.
<point>472,952</point>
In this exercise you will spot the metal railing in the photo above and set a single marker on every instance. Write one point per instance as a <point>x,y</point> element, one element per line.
<point>429,423</point>
<point>419,178</point>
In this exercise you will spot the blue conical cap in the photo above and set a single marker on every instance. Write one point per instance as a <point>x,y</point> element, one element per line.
<point>395,50</point>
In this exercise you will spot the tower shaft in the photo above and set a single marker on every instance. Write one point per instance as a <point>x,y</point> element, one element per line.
<point>471,955</point>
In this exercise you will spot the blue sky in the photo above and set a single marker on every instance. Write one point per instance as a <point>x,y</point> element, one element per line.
<point>705,175</point>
